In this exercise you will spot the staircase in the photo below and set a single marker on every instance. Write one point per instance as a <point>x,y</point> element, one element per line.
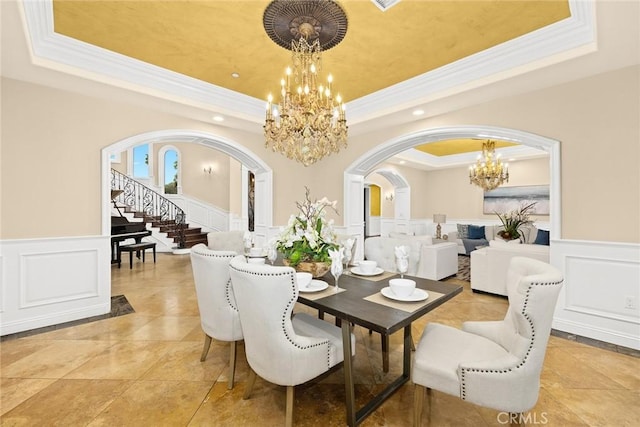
<point>162,215</point>
<point>192,235</point>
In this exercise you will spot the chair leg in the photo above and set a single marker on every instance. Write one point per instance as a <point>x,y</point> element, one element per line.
<point>418,399</point>
<point>205,349</point>
<point>232,363</point>
<point>250,382</point>
<point>289,407</point>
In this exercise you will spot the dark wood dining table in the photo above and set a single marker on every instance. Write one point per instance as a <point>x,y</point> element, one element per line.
<point>351,307</point>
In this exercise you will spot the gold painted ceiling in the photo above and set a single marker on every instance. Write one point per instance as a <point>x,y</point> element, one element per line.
<point>209,39</point>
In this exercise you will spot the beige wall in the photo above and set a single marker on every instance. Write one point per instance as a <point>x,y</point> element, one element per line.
<point>235,186</point>
<point>448,190</point>
<point>213,188</point>
<point>60,135</point>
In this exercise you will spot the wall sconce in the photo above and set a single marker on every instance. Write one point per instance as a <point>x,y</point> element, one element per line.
<point>208,169</point>
<point>389,196</point>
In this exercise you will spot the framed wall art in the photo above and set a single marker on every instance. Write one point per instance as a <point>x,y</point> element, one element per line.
<point>505,199</point>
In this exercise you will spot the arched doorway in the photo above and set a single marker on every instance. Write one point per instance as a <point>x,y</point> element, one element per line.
<point>365,164</point>
<point>401,197</point>
<point>263,210</point>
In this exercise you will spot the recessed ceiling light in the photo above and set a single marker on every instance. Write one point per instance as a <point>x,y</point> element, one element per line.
<point>402,162</point>
<point>418,112</point>
<point>512,160</point>
<point>235,75</point>
<point>218,119</point>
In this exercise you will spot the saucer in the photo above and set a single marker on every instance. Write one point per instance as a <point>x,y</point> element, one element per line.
<point>314,286</point>
<point>417,295</point>
<point>358,272</point>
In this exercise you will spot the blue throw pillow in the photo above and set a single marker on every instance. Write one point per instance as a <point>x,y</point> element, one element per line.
<point>476,232</point>
<point>542,238</point>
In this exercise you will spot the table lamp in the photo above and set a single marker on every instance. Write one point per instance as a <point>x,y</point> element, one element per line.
<point>439,219</point>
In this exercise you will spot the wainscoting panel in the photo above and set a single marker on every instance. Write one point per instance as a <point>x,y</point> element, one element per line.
<point>601,280</point>
<point>74,269</point>
<point>50,281</point>
<point>2,282</point>
<point>201,214</point>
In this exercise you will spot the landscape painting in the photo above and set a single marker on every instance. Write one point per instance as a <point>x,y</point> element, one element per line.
<point>506,199</point>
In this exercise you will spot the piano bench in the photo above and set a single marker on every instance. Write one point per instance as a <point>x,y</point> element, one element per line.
<point>137,248</point>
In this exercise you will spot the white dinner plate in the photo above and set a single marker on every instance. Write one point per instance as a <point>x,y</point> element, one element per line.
<point>358,272</point>
<point>314,286</point>
<point>417,295</point>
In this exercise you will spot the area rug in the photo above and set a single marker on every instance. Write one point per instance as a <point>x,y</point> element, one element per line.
<point>119,307</point>
<point>464,268</point>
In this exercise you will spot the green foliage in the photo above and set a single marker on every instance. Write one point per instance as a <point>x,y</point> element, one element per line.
<point>512,221</point>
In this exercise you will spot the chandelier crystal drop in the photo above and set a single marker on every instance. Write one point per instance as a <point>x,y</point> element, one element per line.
<point>489,172</point>
<point>308,122</point>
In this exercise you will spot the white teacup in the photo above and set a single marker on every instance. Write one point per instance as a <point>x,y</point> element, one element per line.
<point>367,266</point>
<point>255,251</point>
<point>402,287</point>
<point>303,279</point>
<point>255,260</point>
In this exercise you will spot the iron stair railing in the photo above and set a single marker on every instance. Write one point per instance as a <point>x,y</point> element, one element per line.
<point>143,199</point>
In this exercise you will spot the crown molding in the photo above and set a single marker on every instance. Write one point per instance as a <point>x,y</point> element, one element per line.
<point>566,39</point>
<point>421,160</point>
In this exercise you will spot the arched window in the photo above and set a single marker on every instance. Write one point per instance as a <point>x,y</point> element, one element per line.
<point>171,166</point>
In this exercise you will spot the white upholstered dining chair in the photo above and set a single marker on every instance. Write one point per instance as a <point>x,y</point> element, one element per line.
<point>494,364</point>
<point>282,349</point>
<point>219,316</point>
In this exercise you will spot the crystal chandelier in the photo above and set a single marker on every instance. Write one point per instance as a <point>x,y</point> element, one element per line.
<point>489,172</point>
<point>308,123</point>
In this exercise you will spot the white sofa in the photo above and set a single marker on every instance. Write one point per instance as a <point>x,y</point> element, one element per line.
<point>528,234</point>
<point>428,260</point>
<point>489,265</point>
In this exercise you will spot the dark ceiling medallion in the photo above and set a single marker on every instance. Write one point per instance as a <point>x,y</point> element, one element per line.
<point>282,20</point>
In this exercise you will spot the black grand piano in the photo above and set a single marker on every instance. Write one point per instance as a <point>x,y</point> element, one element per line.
<point>123,229</point>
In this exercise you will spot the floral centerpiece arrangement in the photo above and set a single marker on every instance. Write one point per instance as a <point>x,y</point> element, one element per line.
<point>307,238</point>
<point>513,220</point>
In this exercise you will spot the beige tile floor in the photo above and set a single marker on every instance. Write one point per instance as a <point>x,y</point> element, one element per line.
<point>143,369</point>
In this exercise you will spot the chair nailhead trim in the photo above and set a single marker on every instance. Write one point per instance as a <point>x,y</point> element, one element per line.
<point>290,303</point>
<point>227,289</point>
<point>524,359</point>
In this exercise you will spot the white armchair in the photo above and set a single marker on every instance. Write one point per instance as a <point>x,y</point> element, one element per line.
<point>226,241</point>
<point>493,364</point>
<point>283,350</point>
<point>219,316</point>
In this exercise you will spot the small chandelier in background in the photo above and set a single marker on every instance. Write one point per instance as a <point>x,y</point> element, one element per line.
<point>308,122</point>
<point>489,172</point>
